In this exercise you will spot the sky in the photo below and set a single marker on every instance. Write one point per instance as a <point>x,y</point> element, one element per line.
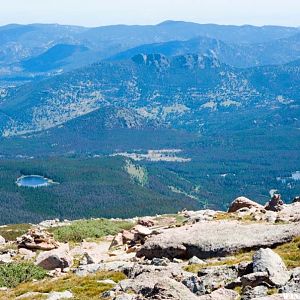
<point>93,13</point>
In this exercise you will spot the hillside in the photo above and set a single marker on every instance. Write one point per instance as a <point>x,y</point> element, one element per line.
<point>184,89</point>
<point>103,188</point>
<point>190,255</point>
<point>238,127</point>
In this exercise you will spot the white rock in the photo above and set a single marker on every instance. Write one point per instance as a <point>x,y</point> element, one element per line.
<point>26,253</point>
<point>2,240</point>
<point>5,258</point>
<point>142,230</point>
<point>107,281</point>
<point>266,260</point>
<point>60,295</point>
<point>196,261</point>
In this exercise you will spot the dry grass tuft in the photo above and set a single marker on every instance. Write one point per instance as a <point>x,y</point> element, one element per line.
<point>83,288</point>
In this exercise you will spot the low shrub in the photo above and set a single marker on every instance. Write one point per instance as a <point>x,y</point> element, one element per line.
<point>13,274</point>
<point>89,229</point>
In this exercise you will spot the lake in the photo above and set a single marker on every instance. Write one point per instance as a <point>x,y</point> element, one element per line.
<point>33,181</point>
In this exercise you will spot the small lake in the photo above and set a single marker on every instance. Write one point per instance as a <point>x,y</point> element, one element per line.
<point>34,181</point>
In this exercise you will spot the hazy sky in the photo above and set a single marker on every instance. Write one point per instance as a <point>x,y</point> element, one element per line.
<point>105,12</point>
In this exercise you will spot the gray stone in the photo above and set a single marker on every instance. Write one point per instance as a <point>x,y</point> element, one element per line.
<point>196,261</point>
<point>221,294</point>
<point>266,260</point>
<point>195,285</point>
<point>290,213</point>
<point>216,238</point>
<point>293,285</point>
<point>160,261</point>
<point>253,292</point>
<point>60,295</point>
<point>53,259</point>
<point>210,279</point>
<point>167,288</point>
<point>115,266</point>
<point>256,279</point>
<point>142,230</point>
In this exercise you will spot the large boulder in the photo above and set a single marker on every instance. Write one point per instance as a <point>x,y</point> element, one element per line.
<point>266,260</point>
<point>256,279</point>
<point>242,202</point>
<point>167,288</point>
<point>210,279</point>
<point>216,238</point>
<point>57,258</point>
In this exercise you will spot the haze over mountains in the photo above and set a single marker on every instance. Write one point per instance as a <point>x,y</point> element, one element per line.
<point>227,96</point>
<point>27,50</point>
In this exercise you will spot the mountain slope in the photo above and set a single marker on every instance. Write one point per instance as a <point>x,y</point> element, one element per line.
<point>175,91</point>
<point>54,58</point>
<point>88,188</point>
<point>238,55</point>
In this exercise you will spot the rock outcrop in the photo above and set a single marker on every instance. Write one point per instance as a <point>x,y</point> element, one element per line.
<point>37,239</point>
<point>266,260</point>
<point>242,202</point>
<point>216,238</point>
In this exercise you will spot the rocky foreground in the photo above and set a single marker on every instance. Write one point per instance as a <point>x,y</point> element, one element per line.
<point>250,252</point>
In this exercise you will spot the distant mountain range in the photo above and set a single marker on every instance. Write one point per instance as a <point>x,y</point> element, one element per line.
<point>30,52</point>
<point>175,91</point>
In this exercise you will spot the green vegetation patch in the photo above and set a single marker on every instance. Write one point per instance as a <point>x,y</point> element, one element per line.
<point>89,229</point>
<point>11,232</point>
<point>82,287</point>
<point>290,253</point>
<point>13,274</point>
<point>246,256</point>
<point>137,173</point>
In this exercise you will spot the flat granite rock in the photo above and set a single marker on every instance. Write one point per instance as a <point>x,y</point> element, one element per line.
<point>216,238</point>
